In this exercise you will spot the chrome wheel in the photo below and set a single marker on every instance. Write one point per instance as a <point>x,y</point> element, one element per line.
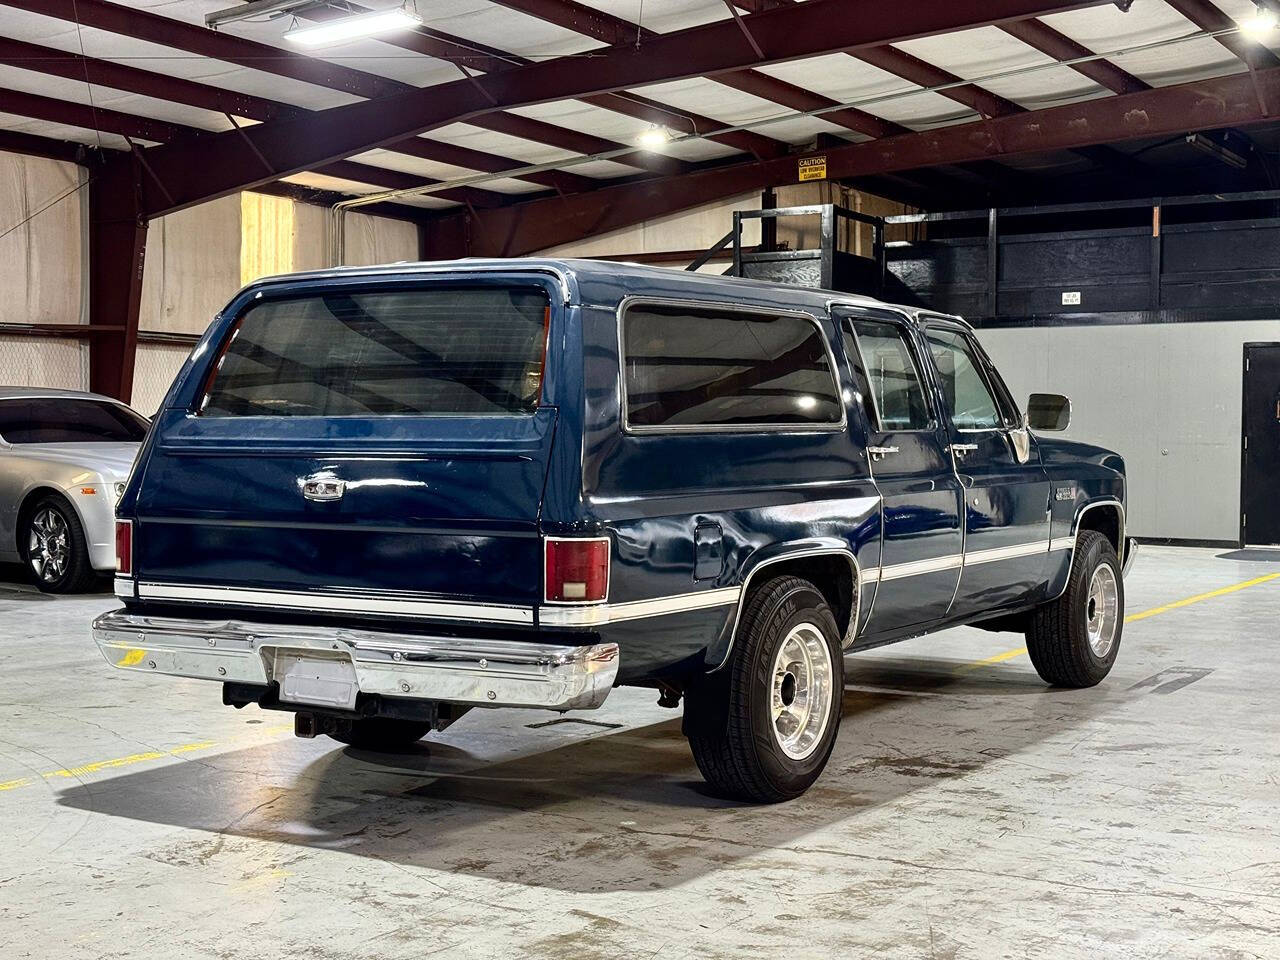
<point>800,700</point>
<point>1102,609</point>
<point>49,545</point>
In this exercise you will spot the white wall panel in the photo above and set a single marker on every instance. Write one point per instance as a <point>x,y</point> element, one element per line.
<point>1164,396</point>
<point>192,266</point>
<point>154,370</point>
<point>41,247</point>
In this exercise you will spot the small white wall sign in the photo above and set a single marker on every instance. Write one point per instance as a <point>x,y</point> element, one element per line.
<point>1071,298</point>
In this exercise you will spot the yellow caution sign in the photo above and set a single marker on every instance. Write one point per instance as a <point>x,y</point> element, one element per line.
<point>812,168</point>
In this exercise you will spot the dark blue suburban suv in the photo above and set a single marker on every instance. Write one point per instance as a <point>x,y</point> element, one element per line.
<point>380,497</point>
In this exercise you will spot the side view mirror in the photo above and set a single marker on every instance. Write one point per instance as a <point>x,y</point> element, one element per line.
<point>1048,411</point>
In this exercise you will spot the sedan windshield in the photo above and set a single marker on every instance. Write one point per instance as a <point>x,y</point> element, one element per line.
<point>68,420</point>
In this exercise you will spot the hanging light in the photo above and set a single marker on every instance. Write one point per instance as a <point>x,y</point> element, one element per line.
<point>352,28</point>
<point>1259,27</point>
<point>655,137</point>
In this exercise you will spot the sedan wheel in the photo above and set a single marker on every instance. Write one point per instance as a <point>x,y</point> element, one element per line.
<point>57,554</point>
<point>49,546</point>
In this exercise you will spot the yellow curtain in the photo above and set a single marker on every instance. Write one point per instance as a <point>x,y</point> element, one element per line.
<point>267,227</point>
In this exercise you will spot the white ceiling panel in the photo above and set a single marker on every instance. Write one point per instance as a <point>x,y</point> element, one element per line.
<point>664,16</point>
<point>1192,60</point>
<point>370,55</point>
<point>74,91</point>
<point>504,28</point>
<point>696,150</point>
<point>319,181</point>
<point>974,53</point>
<point>1046,87</point>
<point>510,186</point>
<point>576,115</point>
<point>730,106</point>
<point>61,131</point>
<point>405,163</point>
<point>849,80</point>
<point>603,169</point>
<point>1105,27</point>
<point>159,59</point>
<point>476,138</point>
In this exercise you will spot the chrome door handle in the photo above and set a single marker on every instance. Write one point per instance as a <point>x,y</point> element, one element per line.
<point>879,453</point>
<point>960,449</point>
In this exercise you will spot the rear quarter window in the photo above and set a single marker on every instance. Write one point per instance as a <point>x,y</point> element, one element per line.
<point>690,368</point>
<point>442,351</point>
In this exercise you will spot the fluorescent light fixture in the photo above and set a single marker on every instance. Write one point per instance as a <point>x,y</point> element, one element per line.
<point>1215,149</point>
<point>353,28</point>
<point>655,137</point>
<point>1258,27</point>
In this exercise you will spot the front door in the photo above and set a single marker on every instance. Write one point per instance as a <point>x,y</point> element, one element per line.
<point>1260,475</point>
<point>1005,490</point>
<point>922,539</point>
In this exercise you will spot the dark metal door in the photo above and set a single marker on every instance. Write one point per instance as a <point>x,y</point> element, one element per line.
<point>1260,468</point>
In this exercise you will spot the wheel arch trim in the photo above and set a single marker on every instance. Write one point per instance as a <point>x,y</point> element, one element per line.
<point>798,550</point>
<point>1075,536</point>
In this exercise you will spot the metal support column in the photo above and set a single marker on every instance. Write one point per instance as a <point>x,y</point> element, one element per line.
<point>117,246</point>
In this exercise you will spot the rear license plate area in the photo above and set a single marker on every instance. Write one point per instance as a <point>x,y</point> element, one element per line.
<point>316,681</point>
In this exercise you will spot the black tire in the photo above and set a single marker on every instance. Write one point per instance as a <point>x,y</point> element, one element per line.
<point>383,733</point>
<point>1058,637</point>
<point>54,547</point>
<point>728,714</point>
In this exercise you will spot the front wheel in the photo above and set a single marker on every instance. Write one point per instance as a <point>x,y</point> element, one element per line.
<point>1073,640</point>
<point>56,549</point>
<point>763,728</point>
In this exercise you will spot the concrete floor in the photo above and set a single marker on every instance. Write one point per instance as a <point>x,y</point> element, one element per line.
<point>968,811</point>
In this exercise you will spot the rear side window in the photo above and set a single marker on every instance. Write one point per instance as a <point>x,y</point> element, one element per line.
<point>690,367</point>
<point>68,420</point>
<point>461,352</point>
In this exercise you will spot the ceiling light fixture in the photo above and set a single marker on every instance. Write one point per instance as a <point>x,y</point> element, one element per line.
<point>1259,27</point>
<point>353,28</point>
<point>655,137</point>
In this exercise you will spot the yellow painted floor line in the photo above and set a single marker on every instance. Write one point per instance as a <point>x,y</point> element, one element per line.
<point>1153,612</point>
<point>132,759</point>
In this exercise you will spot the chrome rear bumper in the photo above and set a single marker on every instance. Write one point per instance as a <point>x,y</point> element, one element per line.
<point>496,673</point>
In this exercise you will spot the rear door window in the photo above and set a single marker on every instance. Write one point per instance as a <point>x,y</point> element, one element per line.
<point>897,389</point>
<point>691,368</point>
<point>68,420</point>
<point>442,351</point>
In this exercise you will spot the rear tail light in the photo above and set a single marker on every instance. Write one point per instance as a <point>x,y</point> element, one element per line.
<point>124,547</point>
<point>577,570</point>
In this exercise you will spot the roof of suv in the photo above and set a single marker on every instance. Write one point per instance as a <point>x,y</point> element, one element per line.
<point>604,280</point>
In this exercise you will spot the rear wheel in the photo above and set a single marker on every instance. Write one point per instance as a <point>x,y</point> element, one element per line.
<point>1073,640</point>
<point>383,733</point>
<point>56,550</point>
<point>762,728</point>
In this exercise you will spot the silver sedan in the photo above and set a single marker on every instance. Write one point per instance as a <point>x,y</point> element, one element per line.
<point>64,460</point>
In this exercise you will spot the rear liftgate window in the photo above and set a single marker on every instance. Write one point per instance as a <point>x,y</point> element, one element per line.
<point>698,368</point>
<point>460,352</point>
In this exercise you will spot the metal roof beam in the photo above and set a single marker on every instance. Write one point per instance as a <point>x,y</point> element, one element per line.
<point>192,173</point>
<point>527,227</point>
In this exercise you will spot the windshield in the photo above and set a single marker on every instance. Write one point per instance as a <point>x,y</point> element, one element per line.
<point>452,351</point>
<point>69,420</point>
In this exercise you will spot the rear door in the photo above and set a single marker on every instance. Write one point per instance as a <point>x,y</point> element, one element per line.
<point>920,501</point>
<point>375,450</point>
<point>1005,493</point>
